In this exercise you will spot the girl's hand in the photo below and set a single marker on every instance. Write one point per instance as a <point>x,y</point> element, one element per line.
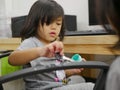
<point>50,49</point>
<point>70,72</point>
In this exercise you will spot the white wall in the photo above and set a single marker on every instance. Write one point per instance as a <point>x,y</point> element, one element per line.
<point>18,7</point>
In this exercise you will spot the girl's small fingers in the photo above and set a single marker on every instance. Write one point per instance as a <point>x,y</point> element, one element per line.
<point>50,49</point>
<point>58,47</point>
<point>83,59</point>
<point>81,68</point>
<point>62,52</point>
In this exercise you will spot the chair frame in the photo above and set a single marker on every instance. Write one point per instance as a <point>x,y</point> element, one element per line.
<point>99,85</point>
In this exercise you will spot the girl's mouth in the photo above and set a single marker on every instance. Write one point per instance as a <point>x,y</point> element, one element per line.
<point>52,34</point>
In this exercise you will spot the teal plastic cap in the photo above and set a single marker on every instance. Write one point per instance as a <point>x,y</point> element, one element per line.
<point>76,57</point>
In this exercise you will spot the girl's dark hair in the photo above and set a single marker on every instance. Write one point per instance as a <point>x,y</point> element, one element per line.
<point>108,11</point>
<point>42,11</point>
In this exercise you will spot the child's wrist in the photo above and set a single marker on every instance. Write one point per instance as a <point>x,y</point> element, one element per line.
<point>68,73</point>
<point>39,50</point>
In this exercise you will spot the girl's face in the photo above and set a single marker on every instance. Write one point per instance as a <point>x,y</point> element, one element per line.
<point>48,33</point>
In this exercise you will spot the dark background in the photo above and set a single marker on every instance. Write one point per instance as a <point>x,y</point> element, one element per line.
<point>92,16</point>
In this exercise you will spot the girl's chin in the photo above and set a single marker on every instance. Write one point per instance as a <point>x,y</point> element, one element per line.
<point>52,40</point>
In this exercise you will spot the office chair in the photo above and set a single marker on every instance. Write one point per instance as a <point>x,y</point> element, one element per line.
<point>99,84</point>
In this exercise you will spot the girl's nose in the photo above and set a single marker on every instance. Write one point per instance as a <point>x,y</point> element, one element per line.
<point>53,26</point>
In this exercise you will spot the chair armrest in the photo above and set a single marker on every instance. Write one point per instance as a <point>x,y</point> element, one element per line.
<point>39,69</point>
<point>5,53</point>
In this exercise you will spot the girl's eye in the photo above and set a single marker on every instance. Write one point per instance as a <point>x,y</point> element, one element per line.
<point>58,23</point>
